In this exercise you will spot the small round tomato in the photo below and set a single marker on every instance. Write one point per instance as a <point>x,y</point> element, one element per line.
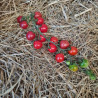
<point>68,62</point>
<point>73,50</point>
<point>53,48</point>
<point>40,21</point>
<point>37,15</point>
<point>44,28</point>
<point>30,35</point>
<point>92,76</point>
<point>23,24</point>
<point>42,38</point>
<point>73,68</point>
<point>37,44</point>
<point>64,44</point>
<point>54,39</point>
<point>84,63</point>
<point>59,57</point>
<point>19,19</point>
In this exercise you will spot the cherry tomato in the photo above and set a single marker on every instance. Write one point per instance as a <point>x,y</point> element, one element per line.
<point>84,64</point>
<point>37,44</point>
<point>73,68</point>
<point>19,19</point>
<point>53,48</point>
<point>91,74</point>
<point>59,57</point>
<point>44,28</point>
<point>68,62</point>
<point>23,24</point>
<point>30,35</point>
<point>54,39</point>
<point>42,38</point>
<point>64,44</point>
<point>40,21</point>
<point>73,50</point>
<point>37,15</point>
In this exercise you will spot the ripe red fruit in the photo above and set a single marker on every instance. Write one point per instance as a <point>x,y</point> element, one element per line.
<point>53,48</point>
<point>37,44</point>
<point>30,35</point>
<point>44,28</point>
<point>37,15</point>
<point>59,57</point>
<point>54,39</point>
<point>73,50</point>
<point>19,19</point>
<point>64,44</point>
<point>42,38</point>
<point>23,24</point>
<point>40,21</point>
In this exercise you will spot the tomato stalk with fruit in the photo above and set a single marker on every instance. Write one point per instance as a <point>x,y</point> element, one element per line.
<point>60,48</point>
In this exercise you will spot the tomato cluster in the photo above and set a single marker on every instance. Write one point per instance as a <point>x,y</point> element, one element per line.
<point>59,47</point>
<point>53,43</point>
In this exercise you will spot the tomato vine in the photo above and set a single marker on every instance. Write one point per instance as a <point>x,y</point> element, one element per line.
<point>61,48</point>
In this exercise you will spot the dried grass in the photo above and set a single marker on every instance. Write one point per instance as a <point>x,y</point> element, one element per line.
<point>29,73</point>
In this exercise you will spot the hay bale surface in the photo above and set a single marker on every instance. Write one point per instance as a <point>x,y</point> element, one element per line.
<point>29,73</point>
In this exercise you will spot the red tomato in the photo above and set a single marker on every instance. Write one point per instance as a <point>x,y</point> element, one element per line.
<point>53,48</point>
<point>59,57</point>
<point>42,38</point>
<point>54,39</point>
<point>23,24</point>
<point>37,44</point>
<point>30,35</point>
<point>73,50</point>
<point>37,15</point>
<point>44,28</point>
<point>64,44</point>
<point>40,21</point>
<point>19,19</point>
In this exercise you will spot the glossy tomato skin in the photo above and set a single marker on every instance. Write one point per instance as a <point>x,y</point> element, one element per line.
<point>54,39</point>
<point>44,28</point>
<point>64,44</point>
<point>53,48</point>
<point>59,57</point>
<point>73,68</point>
<point>84,63</point>
<point>19,19</point>
<point>37,15</point>
<point>30,35</point>
<point>40,21</point>
<point>73,50</point>
<point>37,44</point>
<point>23,24</point>
<point>42,38</point>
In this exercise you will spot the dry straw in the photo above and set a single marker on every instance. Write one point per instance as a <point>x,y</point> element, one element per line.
<point>29,73</point>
